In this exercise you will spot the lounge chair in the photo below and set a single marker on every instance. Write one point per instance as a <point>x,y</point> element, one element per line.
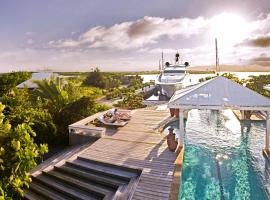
<point>121,114</point>
<point>124,115</point>
<point>116,123</point>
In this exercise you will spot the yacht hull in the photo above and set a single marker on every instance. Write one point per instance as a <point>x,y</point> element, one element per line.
<point>169,89</point>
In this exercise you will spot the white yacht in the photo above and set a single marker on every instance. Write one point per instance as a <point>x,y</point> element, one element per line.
<point>172,77</point>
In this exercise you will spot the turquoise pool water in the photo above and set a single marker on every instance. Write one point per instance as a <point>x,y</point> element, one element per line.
<point>223,158</point>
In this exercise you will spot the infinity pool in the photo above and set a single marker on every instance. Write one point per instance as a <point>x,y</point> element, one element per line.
<point>223,158</point>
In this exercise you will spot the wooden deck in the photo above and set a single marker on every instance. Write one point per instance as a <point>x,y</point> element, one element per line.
<point>140,145</point>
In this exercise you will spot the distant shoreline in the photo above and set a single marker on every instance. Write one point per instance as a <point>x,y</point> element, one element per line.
<point>195,69</point>
<point>230,68</point>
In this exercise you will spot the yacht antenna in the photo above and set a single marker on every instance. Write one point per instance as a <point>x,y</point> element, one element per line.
<point>217,59</point>
<point>159,65</point>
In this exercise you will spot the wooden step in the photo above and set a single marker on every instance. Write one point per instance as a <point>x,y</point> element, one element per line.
<point>47,192</point>
<point>65,189</point>
<point>31,195</point>
<point>133,172</point>
<point>101,169</point>
<point>85,175</point>
<point>98,190</point>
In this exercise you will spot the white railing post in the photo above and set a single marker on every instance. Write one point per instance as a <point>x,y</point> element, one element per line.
<point>181,128</point>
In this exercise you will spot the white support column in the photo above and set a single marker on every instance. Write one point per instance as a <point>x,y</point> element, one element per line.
<point>267,137</point>
<point>181,128</point>
<point>242,114</point>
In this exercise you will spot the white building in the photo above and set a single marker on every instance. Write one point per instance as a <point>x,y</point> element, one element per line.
<point>36,77</point>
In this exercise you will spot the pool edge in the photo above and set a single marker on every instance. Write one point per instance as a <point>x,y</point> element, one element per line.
<point>175,188</point>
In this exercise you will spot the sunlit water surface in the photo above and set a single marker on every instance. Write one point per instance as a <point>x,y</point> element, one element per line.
<point>223,158</point>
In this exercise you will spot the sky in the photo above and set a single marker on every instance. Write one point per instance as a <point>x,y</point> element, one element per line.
<point>121,35</point>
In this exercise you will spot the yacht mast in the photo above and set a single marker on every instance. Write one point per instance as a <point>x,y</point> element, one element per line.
<point>159,66</point>
<point>162,60</point>
<point>217,59</point>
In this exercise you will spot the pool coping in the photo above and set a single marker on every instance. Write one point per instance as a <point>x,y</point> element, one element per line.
<point>175,188</point>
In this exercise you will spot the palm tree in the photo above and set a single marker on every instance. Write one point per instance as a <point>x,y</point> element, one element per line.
<point>51,92</point>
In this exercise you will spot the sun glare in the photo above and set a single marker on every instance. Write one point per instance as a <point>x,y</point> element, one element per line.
<point>228,28</point>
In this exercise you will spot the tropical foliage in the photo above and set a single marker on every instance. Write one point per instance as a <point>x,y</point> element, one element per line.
<point>131,101</point>
<point>95,79</point>
<point>73,112</point>
<point>11,80</point>
<point>67,104</point>
<point>52,95</point>
<point>22,108</point>
<point>233,78</point>
<point>257,84</point>
<point>134,83</point>
<point>18,155</point>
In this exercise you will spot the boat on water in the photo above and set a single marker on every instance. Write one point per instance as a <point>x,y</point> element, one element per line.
<point>172,77</point>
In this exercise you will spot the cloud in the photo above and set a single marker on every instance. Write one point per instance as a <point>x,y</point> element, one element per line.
<point>30,41</point>
<point>261,26</point>
<point>262,60</point>
<point>261,41</point>
<point>148,31</point>
<point>134,34</point>
<point>157,50</point>
<point>29,33</point>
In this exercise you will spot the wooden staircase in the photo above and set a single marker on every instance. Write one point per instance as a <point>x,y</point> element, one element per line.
<point>83,179</point>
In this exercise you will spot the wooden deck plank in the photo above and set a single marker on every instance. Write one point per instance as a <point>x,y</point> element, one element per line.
<point>139,145</point>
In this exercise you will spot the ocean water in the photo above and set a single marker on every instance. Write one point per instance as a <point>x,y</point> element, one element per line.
<point>223,158</point>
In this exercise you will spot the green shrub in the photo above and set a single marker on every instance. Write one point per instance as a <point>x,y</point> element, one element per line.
<point>95,79</point>
<point>11,80</point>
<point>233,78</point>
<point>131,101</point>
<point>73,112</point>
<point>18,155</point>
<point>257,84</point>
<point>22,108</point>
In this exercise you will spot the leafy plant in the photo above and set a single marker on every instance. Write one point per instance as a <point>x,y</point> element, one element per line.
<point>131,101</point>
<point>11,80</point>
<point>75,111</point>
<point>95,79</point>
<point>18,155</point>
<point>101,80</point>
<point>52,95</point>
<point>233,78</point>
<point>257,84</point>
<point>21,107</point>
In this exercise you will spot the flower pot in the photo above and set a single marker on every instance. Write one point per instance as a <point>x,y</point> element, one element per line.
<point>172,144</point>
<point>172,111</point>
